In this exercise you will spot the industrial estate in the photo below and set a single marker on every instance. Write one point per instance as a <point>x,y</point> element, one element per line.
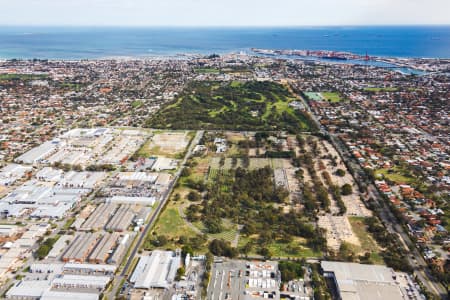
<point>233,177</point>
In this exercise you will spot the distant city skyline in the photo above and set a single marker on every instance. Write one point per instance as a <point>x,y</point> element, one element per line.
<point>223,13</point>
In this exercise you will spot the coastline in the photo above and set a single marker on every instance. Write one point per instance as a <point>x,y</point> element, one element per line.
<point>404,65</point>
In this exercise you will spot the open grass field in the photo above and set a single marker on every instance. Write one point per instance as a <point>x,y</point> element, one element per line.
<point>396,175</point>
<point>228,234</point>
<point>331,97</point>
<point>172,225</point>
<point>380,89</point>
<point>314,96</point>
<point>368,244</point>
<point>233,106</point>
<point>137,103</point>
<point>22,76</point>
<point>295,249</point>
<point>281,250</point>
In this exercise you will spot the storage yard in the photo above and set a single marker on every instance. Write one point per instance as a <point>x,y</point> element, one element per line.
<point>244,280</point>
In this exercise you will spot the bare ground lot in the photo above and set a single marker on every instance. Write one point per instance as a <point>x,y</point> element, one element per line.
<point>168,144</point>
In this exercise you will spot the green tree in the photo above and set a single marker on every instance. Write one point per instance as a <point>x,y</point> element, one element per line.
<point>346,189</point>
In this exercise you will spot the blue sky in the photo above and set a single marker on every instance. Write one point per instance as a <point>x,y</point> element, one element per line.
<point>223,12</point>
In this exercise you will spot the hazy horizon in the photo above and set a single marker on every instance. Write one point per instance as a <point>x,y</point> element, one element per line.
<point>231,13</point>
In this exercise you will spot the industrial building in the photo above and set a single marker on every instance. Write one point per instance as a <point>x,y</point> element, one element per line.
<point>71,179</point>
<point>41,290</point>
<point>54,295</point>
<point>157,270</point>
<point>102,251</point>
<point>146,201</point>
<point>98,219</point>
<point>59,246</point>
<point>89,269</point>
<point>164,163</point>
<point>93,247</point>
<point>88,146</point>
<point>70,287</point>
<point>122,219</point>
<point>43,200</point>
<point>80,247</point>
<point>81,282</point>
<point>28,289</point>
<point>39,154</point>
<point>363,282</point>
<point>121,249</point>
<point>128,179</point>
<point>73,268</point>
<point>13,172</point>
<point>8,230</point>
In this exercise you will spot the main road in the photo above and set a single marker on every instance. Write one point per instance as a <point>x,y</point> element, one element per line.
<point>154,217</point>
<point>415,259</point>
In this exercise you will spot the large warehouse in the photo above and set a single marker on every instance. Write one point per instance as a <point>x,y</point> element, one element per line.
<point>157,270</point>
<point>363,282</point>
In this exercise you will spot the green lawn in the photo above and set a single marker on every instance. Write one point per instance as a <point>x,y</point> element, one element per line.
<point>380,89</point>
<point>137,103</point>
<point>278,249</point>
<point>313,96</point>
<point>172,225</point>
<point>228,234</point>
<point>395,176</point>
<point>68,223</point>
<point>331,97</point>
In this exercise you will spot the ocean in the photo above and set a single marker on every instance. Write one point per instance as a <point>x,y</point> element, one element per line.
<point>104,42</point>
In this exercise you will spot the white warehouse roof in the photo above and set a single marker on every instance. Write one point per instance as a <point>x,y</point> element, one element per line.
<point>156,271</point>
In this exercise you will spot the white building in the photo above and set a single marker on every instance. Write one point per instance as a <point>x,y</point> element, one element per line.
<point>363,282</point>
<point>156,271</point>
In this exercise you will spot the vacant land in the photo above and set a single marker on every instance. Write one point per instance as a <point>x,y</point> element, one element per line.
<point>168,144</point>
<point>172,228</point>
<point>368,244</point>
<point>233,106</point>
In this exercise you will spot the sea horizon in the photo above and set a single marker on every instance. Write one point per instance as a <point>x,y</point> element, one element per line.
<point>140,42</point>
